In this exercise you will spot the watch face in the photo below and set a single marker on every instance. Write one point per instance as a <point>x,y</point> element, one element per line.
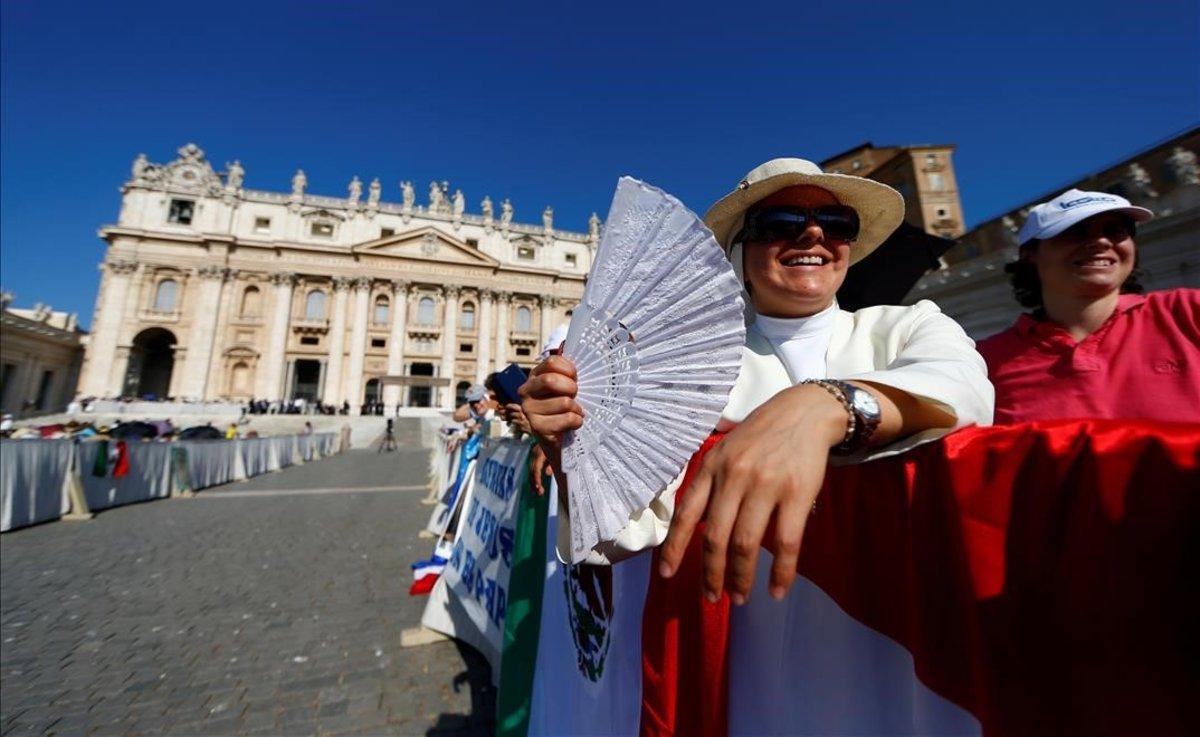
<point>865,403</point>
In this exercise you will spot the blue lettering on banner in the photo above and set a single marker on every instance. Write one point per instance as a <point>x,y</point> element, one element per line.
<point>506,545</point>
<point>468,570</point>
<point>498,478</point>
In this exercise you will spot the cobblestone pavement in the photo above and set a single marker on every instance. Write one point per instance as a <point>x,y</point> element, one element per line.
<point>272,606</point>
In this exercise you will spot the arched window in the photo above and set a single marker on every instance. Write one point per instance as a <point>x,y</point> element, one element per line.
<point>251,302</point>
<point>425,311</point>
<point>468,316</point>
<point>524,320</point>
<point>381,310</point>
<point>460,393</point>
<point>314,305</point>
<point>240,381</point>
<point>165,295</point>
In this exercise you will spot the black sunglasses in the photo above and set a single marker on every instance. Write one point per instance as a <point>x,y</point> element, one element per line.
<point>838,222</point>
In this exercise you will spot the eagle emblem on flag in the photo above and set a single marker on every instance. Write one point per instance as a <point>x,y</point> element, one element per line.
<point>589,592</point>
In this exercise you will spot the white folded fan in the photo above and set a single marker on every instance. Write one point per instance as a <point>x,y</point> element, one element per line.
<point>657,346</point>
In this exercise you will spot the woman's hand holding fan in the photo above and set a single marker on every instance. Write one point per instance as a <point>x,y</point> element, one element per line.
<point>654,349</point>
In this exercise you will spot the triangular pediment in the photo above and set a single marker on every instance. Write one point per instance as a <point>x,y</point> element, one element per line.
<point>426,244</point>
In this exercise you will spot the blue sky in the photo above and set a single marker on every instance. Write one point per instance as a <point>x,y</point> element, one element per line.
<point>550,103</point>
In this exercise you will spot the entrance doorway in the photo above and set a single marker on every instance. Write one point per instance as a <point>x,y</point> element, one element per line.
<point>420,396</point>
<point>151,362</point>
<point>373,401</point>
<point>307,383</point>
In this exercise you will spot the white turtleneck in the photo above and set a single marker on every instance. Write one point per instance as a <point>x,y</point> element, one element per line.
<point>801,342</point>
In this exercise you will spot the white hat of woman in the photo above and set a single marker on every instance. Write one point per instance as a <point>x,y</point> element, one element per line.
<point>880,208</point>
<point>1075,205</point>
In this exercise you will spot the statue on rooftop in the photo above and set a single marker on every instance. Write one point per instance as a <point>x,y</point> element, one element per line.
<point>460,204</point>
<point>355,191</point>
<point>1140,179</point>
<point>235,174</point>
<point>299,182</point>
<point>1182,164</point>
<point>407,195</point>
<point>594,227</point>
<point>373,193</point>
<point>506,213</point>
<point>548,218</point>
<point>436,197</point>
<point>140,165</point>
<point>486,207</point>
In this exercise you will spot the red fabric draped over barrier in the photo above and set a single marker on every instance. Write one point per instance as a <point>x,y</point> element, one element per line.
<point>1043,576</point>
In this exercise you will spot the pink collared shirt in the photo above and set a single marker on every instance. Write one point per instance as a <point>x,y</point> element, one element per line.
<point>1143,362</point>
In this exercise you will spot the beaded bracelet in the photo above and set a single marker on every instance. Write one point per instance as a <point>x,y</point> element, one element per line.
<point>836,390</point>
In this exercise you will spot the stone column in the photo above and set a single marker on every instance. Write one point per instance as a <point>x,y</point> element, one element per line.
<point>391,392</point>
<point>135,301</point>
<point>503,309</point>
<point>449,345</point>
<point>204,329</point>
<point>130,327</point>
<point>482,369</point>
<point>548,304</point>
<point>216,367</point>
<point>358,344</point>
<point>102,348</point>
<point>289,381</point>
<point>337,344</point>
<point>275,358</point>
<point>321,377</point>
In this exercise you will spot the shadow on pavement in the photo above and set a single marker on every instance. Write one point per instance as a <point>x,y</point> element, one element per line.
<point>477,677</point>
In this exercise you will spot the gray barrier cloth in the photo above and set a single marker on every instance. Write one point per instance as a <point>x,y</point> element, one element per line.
<point>283,451</point>
<point>212,462</point>
<point>307,446</point>
<point>327,443</point>
<point>258,456</point>
<point>33,481</point>
<point>149,475</point>
<point>34,474</point>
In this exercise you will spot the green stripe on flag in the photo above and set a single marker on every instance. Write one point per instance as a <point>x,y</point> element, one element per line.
<point>100,465</point>
<point>523,618</point>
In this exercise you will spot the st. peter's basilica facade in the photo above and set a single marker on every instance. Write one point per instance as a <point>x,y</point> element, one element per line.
<point>211,291</point>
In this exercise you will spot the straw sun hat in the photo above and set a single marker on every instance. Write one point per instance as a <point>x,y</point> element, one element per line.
<point>880,208</point>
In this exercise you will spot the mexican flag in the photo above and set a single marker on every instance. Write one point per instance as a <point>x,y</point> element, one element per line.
<point>111,457</point>
<point>1022,580</point>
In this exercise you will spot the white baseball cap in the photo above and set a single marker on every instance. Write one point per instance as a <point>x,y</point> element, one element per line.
<point>1051,218</point>
<point>476,392</point>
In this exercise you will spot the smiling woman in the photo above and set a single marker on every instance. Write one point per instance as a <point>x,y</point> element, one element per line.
<point>1092,335</point>
<point>815,382</point>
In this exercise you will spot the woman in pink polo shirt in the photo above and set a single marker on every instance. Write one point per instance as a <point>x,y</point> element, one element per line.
<point>1094,345</point>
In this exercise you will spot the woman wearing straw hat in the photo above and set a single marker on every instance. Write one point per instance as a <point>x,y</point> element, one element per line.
<point>816,381</point>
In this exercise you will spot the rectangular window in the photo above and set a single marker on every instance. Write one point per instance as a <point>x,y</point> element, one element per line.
<point>473,242</point>
<point>309,340</point>
<point>525,253</point>
<point>571,259</point>
<point>321,230</point>
<point>181,212</point>
<point>262,225</point>
<point>387,232</point>
<point>378,342</point>
<point>523,352</point>
<point>465,348</point>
